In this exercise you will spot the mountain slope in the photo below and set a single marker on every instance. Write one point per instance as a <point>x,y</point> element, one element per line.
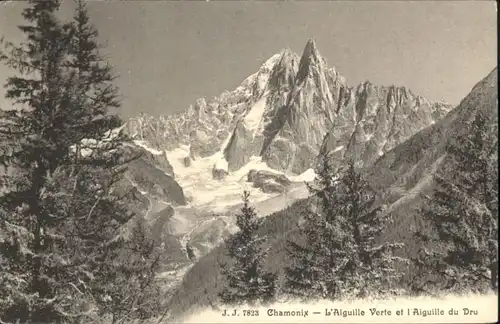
<point>405,172</point>
<point>399,176</point>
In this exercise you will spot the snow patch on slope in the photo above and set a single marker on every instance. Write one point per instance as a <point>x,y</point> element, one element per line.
<point>88,145</point>
<point>254,117</point>
<point>145,146</point>
<point>338,148</point>
<point>204,191</point>
<point>255,163</point>
<point>221,163</point>
<point>307,176</point>
<point>260,78</point>
<point>423,183</point>
<point>113,133</point>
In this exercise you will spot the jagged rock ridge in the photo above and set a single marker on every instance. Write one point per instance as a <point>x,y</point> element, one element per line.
<point>292,110</point>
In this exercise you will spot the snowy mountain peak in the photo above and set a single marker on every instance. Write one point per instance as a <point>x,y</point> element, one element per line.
<point>262,76</point>
<point>287,51</point>
<point>269,64</point>
<point>287,56</point>
<point>288,111</point>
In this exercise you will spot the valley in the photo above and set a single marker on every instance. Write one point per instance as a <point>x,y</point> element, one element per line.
<point>279,121</point>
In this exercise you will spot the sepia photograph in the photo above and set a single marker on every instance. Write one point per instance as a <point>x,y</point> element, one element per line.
<point>248,161</point>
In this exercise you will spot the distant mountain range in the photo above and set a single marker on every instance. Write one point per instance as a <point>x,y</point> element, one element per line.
<point>265,136</point>
<point>287,113</point>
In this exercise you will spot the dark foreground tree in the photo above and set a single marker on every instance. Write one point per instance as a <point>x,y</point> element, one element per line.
<point>342,256</point>
<point>245,280</point>
<point>370,268</point>
<point>461,250</point>
<point>312,273</point>
<point>65,255</point>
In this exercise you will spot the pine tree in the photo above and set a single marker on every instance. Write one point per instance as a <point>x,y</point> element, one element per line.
<point>370,268</point>
<point>27,142</point>
<point>312,273</point>
<point>130,270</point>
<point>341,256</point>
<point>62,248</point>
<point>461,251</point>
<point>246,280</point>
<point>127,281</point>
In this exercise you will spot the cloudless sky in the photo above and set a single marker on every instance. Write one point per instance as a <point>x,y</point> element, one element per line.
<point>168,54</point>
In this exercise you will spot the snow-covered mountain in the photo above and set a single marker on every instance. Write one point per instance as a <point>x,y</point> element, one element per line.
<point>266,135</point>
<point>284,116</point>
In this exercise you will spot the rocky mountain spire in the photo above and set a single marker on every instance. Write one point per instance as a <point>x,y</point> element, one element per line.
<point>310,59</point>
<point>293,109</point>
<point>306,117</point>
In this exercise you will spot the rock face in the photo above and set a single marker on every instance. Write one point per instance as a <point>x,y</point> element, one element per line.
<point>268,181</point>
<point>219,174</point>
<point>148,178</point>
<point>377,119</point>
<point>160,220</point>
<point>149,175</point>
<point>297,129</point>
<point>154,194</point>
<point>291,111</point>
<point>136,202</point>
<point>152,175</point>
<point>258,124</point>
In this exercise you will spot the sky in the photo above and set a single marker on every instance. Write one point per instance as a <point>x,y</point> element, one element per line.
<point>168,54</point>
